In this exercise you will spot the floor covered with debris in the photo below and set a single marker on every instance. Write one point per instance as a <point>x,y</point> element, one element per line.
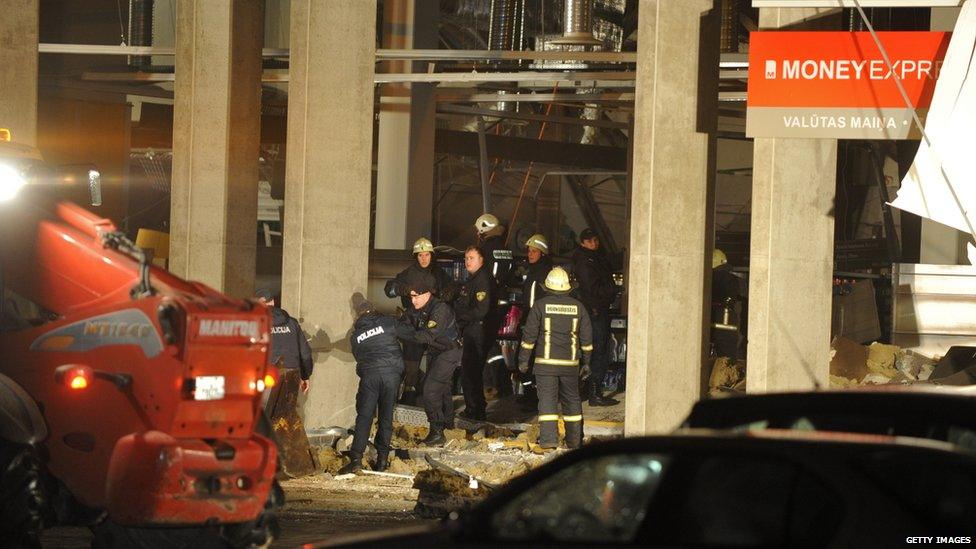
<point>421,484</point>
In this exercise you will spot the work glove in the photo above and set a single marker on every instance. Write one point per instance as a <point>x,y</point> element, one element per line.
<point>523,361</point>
<point>584,371</point>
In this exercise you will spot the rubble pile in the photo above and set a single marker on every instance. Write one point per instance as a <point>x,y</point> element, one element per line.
<point>728,377</point>
<point>852,364</point>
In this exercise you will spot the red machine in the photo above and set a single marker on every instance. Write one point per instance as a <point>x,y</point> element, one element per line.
<point>129,398</point>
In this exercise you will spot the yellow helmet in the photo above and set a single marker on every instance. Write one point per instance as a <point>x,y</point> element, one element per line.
<point>558,280</point>
<point>423,245</point>
<point>718,258</point>
<point>538,242</point>
<point>485,223</point>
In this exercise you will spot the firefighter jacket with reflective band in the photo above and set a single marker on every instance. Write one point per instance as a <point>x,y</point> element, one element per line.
<point>375,346</point>
<point>288,343</point>
<point>558,330</point>
<point>534,289</point>
<point>498,258</point>
<point>475,301</point>
<point>433,325</point>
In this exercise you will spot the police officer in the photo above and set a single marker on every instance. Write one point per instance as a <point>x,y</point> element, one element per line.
<point>289,348</point>
<point>431,322</point>
<point>423,251</point>
<point>537,269</point>
<point>473,308</point>
<point>379,365</point>
<point>597,291</point>
<point>498,258</point>
<point>558,330</point>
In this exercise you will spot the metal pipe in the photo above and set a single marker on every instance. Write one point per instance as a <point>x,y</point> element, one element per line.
<point>729,39</point>
<point>501,25</point>
<point>140,31</point>
<point>577,24</point>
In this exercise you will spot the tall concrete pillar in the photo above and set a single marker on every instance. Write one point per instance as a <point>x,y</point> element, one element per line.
<point>216,137</point>
<point>327,190</point>
<point>792,252</point>
<point>668,220</point>
<point>18,70</point>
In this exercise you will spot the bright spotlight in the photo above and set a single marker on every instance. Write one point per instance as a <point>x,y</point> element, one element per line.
<point>11,181</point>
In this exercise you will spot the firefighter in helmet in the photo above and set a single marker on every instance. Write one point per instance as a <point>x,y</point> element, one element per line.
<point>423,251</point>
<point>558,330</point>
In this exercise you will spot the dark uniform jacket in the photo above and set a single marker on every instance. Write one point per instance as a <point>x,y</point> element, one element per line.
<point>498,258</point>
<point>433,325</point>
<point>474,303</point>
<point>533,288</point>
<point>288,343</point>
<point>559,331</point>
<point>399,286</point>
<point>375,346</point>
<point>596,287</point>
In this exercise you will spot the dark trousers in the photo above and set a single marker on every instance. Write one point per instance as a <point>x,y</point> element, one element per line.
<point>472,369</point>
<point>600,359</point>
<point>556,390</point>
<point>376,390</point>
<point>438,401</point>
<point>412,353</point>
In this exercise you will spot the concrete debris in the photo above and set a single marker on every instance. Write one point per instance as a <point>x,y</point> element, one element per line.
<point>881,359</point>
<point>876,364</point>
<point>330,460</point>
<point>347,476</point>
<point>727,377</point>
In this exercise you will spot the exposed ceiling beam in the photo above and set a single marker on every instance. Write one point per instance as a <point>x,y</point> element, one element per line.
<point>554,153</point>
<point>852,4</point>
<point>472,111</point>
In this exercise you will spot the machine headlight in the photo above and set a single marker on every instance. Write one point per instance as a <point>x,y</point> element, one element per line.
<point>11,181</point>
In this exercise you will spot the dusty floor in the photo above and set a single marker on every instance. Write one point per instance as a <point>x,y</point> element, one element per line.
<point>317,509</point>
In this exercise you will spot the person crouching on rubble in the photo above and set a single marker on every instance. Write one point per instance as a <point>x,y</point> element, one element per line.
<point>431,322</point>
<point>559,330</point>
<point>379,365</point>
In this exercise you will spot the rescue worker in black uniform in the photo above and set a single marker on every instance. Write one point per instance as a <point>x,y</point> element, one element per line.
<point>423,251</point>
<point>289,348</point>
<point>499,263</point>
<point>535,271</point>
<point>431,322</point>
<point>597,292</point>
<point>558,330</point>
<point>472,309</point>
<point>379,365</point>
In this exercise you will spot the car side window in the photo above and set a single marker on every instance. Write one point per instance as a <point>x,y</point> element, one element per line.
<point>600,500</point>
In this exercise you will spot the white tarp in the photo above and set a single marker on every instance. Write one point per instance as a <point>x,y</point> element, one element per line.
<point>951,128</point>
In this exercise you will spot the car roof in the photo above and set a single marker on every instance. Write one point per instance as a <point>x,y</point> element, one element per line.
<point>929,403</point>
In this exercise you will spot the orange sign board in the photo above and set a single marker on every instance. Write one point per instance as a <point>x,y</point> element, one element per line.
<point>838,84</point>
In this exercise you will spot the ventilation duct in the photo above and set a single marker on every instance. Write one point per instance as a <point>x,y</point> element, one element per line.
<point>506,28</point>
<point>577,24</point>
<point>730,26</point>
<point>140,31</point>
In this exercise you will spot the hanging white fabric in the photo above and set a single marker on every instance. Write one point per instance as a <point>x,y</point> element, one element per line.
<point>941,184</point>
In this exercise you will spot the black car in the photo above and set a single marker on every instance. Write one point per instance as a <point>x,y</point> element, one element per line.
<point>922,411</point>
<point>758,489</point>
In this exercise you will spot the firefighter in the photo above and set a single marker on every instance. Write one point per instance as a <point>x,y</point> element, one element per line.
<point>597,291</point>
<point>725,295</point>
<point>379,365</point>
<point>536,270</point>
<point>558,330</point>
<point>490,238</point>
<point>423,251</point>
<point>289,348</point>
<point>473,308</point>
<point>431,322</point>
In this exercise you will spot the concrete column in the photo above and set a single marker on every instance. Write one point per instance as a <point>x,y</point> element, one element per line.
<point>668,219</point>
<point>327,190</point>
<point>216,134</point>
<point>18,70</point>
<point>792,253</point>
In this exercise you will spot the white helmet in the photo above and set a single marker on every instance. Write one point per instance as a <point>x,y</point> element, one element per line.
<point>485,223</point>
<point>423,245</point>
<point>558,280</point>
<point>538,242</point>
